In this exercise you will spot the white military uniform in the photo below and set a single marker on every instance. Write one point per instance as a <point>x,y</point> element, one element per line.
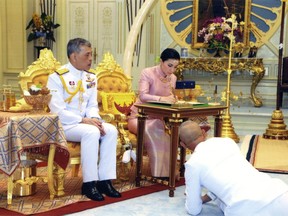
<point>74,96</point>
<point>239,189</point>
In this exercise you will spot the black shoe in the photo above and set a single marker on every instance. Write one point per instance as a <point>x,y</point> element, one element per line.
<point>106,187</point>
<point>89,189</point>
<point>162,178</point>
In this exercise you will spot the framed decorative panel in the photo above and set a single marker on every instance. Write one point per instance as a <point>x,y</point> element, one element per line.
<point>179,15</point>
<point>80,15</point>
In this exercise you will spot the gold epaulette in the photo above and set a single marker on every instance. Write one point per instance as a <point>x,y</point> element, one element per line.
<point>61,71</point>
<point>91,71</point>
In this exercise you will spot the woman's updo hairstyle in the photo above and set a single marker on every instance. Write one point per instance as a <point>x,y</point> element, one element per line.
<point>169,53</point>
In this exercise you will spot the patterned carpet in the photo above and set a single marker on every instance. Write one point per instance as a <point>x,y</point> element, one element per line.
<point>40,204</point>
<point>40,201</point>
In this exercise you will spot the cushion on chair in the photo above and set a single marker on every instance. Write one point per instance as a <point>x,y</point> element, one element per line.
<point>74,149</point>
<point>117,103</point>
<point>112,84</point>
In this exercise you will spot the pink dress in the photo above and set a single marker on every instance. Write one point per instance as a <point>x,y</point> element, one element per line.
<point>153,85</point>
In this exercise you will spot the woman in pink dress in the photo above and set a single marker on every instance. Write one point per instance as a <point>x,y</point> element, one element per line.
<point>157,84</point>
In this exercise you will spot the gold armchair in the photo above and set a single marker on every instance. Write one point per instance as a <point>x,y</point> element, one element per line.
<point>114,93</point>
<point>114,97</point>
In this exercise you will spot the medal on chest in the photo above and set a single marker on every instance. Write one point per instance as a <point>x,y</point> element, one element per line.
<point>90,81</point>
<point>72,84</point>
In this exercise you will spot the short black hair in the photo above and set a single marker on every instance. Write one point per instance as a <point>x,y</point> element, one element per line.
<point>74,45</point>
<point>170,53</point>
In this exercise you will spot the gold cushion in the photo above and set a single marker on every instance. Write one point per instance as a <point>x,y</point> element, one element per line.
<point>112,84</point>
<point>117,103</point>
<point>74,149</point>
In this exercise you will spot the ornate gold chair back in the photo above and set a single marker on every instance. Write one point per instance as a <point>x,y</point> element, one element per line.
<point>38,71</point>
<point>114,87</point>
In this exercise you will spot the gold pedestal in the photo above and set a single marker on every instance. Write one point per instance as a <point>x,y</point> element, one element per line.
<point>277,127</point>
<point>26,170</point>
<point>228,129</point>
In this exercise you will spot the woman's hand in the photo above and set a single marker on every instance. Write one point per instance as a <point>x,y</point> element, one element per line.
<point>96,122</point>
<point>183,144</point>
<point>171,99</point>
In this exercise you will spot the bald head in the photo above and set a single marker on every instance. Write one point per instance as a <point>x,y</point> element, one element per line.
<point>189,131</point>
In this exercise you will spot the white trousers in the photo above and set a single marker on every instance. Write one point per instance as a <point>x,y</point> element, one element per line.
<point>98,154</point>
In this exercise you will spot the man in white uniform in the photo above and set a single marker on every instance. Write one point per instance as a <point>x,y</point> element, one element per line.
<point>74,100</point>
<point>217,165</point>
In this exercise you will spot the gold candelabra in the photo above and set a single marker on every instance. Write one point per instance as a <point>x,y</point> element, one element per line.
<point>227,126</point>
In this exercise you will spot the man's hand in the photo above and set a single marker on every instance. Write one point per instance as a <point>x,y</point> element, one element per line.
<point>205,199</point>
<point>96,122</point>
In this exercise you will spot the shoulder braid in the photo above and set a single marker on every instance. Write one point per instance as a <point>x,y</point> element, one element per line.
<point>62,71</point>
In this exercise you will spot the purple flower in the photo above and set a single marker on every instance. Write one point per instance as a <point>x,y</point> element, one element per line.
<point>218,20</point>
<point>215,33</point>
<point>218,37</point>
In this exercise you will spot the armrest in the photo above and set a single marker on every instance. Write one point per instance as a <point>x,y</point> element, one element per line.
<point>20,105</point>
<point>120,117</point>
<point>107,117</point>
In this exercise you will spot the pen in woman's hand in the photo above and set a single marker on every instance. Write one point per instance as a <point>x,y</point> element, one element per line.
<point>173,92</point>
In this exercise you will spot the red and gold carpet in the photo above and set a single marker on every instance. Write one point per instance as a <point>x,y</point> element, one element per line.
<point>72,201</point>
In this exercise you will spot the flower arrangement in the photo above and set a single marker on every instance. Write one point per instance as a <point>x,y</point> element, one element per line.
<point>41,26</point>
<point>216,33</point>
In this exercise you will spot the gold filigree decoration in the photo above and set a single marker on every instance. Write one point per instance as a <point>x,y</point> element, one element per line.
<point>109,64</point>
<point>220,65</point>
<point>31,180</point>
<point>43,66</point>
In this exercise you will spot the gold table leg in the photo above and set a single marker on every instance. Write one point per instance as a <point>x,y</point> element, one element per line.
<point>50,171</point>
<point>59,178</point>
<point>10,186</point>
<point>257,77</point>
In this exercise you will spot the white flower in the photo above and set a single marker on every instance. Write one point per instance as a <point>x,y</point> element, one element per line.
<point>35,88</point>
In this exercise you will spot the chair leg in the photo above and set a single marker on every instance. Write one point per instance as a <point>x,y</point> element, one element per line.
<point>75,170</point>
